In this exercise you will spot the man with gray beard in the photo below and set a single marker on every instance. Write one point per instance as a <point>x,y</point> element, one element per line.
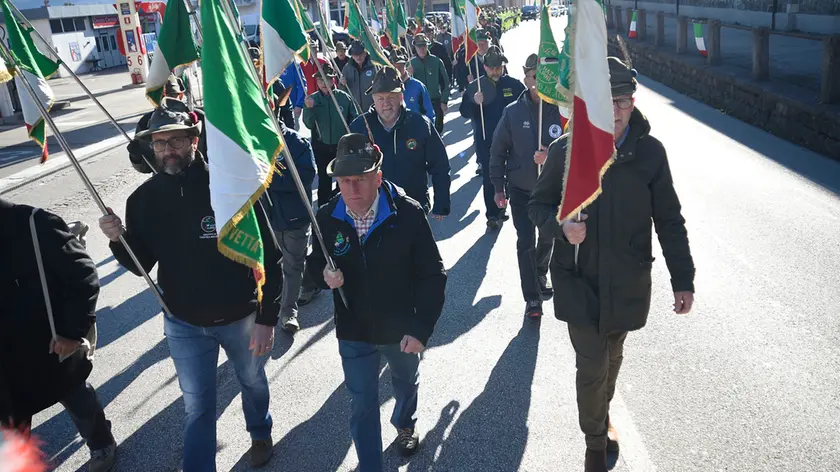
<point>212,300</point>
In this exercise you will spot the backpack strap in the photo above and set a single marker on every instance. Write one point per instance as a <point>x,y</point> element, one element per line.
<point>41,272</point>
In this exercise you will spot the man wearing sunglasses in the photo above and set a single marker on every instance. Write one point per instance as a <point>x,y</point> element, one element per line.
<point>606,291</point>
<point>212,299</point>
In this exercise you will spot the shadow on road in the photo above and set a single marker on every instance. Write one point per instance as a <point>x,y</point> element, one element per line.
<point>492,433</point>
<point>458,218</point>
<point>823,172</point>
<point>113,322</point>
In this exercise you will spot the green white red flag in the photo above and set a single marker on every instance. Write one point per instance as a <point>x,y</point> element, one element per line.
<point>590,149</point>
<point>175,47</point>
<point>633,25</point>
<point>282,37</point>
<point>698,39</point>
<point>242,140</point>
<point>35,68</point>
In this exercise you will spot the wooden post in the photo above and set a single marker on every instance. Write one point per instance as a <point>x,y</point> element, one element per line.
<point>618,23</point>
<point>761,53</point>
<point>830,90</point>
<point>682,34</point>
<point>713,57</point>
<point>660,29</point>
<point>641,25</point>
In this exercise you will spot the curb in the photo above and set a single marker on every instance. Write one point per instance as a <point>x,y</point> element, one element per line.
<point>17,118</point>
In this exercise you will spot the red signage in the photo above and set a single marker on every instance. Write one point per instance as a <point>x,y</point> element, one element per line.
<point>105,21</point>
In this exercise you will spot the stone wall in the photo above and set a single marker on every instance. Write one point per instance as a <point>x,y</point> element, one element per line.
<point>816,7</point>
<point>810,126</point>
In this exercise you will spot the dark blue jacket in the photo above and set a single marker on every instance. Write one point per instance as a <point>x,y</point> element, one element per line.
<point>508,91</point>
<point>410,150</point>
<point>286,210</point>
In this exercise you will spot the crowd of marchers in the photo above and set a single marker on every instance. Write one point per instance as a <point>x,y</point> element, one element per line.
<point>375,145</point>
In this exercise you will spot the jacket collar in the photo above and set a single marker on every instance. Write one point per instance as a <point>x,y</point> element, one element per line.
<point>639,128</point>
<point>387,206</point>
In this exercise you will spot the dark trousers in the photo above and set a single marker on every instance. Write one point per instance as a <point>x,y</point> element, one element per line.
<point>598,359</point>
<point>533,253</point>
<point>437,104</point>
<point>324,154</point>
<point>361,364</point>
<point>87,414</point>
<point>493,211</point>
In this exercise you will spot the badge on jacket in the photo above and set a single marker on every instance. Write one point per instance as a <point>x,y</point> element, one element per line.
<point>208,227</point>
<point>341,246</point>
<point>508,92</point>
<point>555,131</point>
<point>369,73</point>
<point>411,144</point>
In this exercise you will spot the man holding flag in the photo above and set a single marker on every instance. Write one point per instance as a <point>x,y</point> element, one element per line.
<point>213,301</point>
<point>605,292</point>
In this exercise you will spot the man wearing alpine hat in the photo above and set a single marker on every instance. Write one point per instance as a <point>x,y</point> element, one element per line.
<point>514,159</point>
<point>212,299</point>
<point>484,109</point>
<point>392,275</point>
<point>411,146</point>
<point>416,96</point>
<point>430,70</point>
<point>607,292</point>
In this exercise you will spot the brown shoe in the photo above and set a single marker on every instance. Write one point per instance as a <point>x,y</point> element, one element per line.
<point>596,461</point>
<point>612,439</point>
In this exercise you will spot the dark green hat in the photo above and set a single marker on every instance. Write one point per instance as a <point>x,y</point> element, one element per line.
<point>386,80</point>
<point>622,78</point>
<point>398,56</point>
<point>174,86</point>
<point>494,57</point>
<point>340,46</point>
<point>421,40</point>
<point>482,34</point>
<point>329,73</point>
<point>357,47</point>
<point>531,63</point>
<point>355,155</point>
<point>172,115</point>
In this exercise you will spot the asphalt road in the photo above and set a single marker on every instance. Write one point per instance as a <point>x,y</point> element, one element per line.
<point>747,382</point>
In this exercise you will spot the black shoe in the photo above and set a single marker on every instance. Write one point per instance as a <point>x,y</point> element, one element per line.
<point>260,452</point>
<point>306,296</point>
<point>545,289</point>
<point>612,439</point>
<point>103,460</point>
<point>505,216</point>
<point>290,324</point>
<point>479,170</point>
<point>408,441</point>
<point>494,223</point>
<point>533,309</point>
<point>596,461</point>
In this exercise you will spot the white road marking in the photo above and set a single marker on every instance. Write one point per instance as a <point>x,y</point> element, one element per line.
<point>633,451</point>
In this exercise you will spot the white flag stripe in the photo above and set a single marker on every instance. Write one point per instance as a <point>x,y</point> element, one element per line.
<point>30,110</point>
<point>589,81</point>
<point>277,54</point>
<point>158,72</point>
<point>232,177</point>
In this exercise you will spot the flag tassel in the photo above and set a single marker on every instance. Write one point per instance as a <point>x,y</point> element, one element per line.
<point>88,184</point>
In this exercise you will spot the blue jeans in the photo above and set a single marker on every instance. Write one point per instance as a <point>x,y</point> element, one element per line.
<point>195,352</point>
<point>360,362</point>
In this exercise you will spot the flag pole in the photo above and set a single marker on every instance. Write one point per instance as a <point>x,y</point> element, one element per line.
<point>69,151</point>
<point>290,164</point>
<point>330,90</point>
<point>76,78</point>
<point>539,132</point>
<point>477,73</point>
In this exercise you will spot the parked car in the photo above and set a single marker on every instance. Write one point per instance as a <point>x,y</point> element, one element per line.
<point>438,14</point>
<point>338,33</point>
<point>530,12</point>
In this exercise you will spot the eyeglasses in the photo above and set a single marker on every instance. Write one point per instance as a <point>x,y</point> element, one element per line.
<point>623,103</point>
<point>175,143</point>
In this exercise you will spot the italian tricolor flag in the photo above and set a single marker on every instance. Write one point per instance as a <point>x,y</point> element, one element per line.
<point>242,141</point>
<point>35,68</point>
<point>633,27</point>
<point>698,39</point>
<point>282,37</point>
<point>591,148</point>
<point>464,22</point>
<point>175,48</point>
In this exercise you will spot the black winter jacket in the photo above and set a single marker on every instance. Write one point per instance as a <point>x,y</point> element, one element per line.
<point>32,379</point>
<point>394,280</point>
<point>515,142</point>
<point>507,91</point>
<point>169,222</point>
<point>616,256</point>
<point>286,209</point>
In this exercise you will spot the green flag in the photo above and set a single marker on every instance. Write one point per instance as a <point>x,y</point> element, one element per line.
<point>548,69</point>
<point>358,30</point>
<point>420,14</point>
<point>401,19</point>
<point>303,17</point>
<point>564,67</point>
<point>396,24</point>
<point>242,141</point>
<point>282,37</point>
<point>375,24</point>
<point>175,47</point>
<point>324,28</point>
<point>34,68</point>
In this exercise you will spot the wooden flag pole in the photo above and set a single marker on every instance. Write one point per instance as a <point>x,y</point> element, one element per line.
<point>85,180</point>
<point>477,73</point>
<point>539,133</point>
